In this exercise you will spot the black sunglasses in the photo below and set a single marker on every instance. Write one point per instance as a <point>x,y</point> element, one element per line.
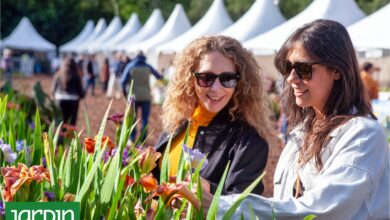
<point>227,80</point>
<point>304,70</point>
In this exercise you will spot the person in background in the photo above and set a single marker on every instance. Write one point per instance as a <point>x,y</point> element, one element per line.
<point>139,71</point>
<point>105,74</point>
<point>114,88</point>
<point>372,86</point>
<point>335,164</point>
<point>90,68</point>
<point>218,87</point>
<point>82,64</point>
<point>6,66</point>
<point>67,90</point>
<point>124,60</point>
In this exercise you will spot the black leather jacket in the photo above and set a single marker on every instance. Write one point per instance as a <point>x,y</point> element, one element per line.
<point>226,140</point>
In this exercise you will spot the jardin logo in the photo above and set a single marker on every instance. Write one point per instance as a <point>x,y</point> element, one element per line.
<point>42,210</point>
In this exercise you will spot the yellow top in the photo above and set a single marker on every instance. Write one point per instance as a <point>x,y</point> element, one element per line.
<point>201,117</point>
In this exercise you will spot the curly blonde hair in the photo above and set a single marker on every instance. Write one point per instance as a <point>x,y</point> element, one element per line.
<point>249,101</point>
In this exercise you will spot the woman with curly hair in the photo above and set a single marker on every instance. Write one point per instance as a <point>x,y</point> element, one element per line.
<point>218,88</point>
<point>335,164</point>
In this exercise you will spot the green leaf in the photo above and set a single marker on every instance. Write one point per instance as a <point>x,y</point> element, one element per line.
<point>164,174</point>
<point>68,168</point>
<point>56,135</point>
<point>243,195</point>
<point>168,214</point>
<point>109,180</point>
<point>213,210</point>
<point>52,168</point>
<point>160,209</point>
<point>118,194</point>
<point>183,206</point>
<point>86,118</point>
<point>310,217</point>
<point>3,107</point>
<point>251,212</point>
<point>37,139</point>
<point>181,171</point>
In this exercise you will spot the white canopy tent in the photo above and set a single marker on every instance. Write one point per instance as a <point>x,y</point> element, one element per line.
<point>261,17</point>
<point>25,37</point>
<point>154,23</point>
<point>176,24</point>
<point>113,28</point>
<point>345,12</point>
<point>82,36</point>
<point>214,21</point>
<point>132,26</point>
<point>98,31</point>
<point>373,31</point>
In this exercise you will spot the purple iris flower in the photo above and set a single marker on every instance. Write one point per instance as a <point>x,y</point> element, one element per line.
<point>44,162</point>
<point>125,159</point>
<point>131,100</point>
<point>49,196</point>
<point>20,145</point>
<point>31,124</point>
<point>195,156</point>
<point>9,155</point>
<point>2,210</point>
<point>117,118</point>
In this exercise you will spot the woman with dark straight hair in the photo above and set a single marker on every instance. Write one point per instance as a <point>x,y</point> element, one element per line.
<point>335,164</point>
<point>68,90</point>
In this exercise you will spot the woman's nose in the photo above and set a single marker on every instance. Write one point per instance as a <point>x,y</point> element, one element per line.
<point>293,77</point>
<point>216,85</point>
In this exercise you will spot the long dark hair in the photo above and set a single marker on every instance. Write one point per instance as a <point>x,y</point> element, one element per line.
<point>329,43</point>
<point>68,70</point>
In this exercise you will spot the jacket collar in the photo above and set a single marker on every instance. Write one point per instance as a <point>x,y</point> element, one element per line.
<point>220,118</point>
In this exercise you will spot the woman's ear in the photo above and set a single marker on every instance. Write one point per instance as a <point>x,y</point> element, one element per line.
<point>336,74</point>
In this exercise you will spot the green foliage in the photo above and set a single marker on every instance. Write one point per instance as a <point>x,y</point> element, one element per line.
<point>237,8</point>
<point>290,8</point>
<point>309,217</point>
<point>370,6</point>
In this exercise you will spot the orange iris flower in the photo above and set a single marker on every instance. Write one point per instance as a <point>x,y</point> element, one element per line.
<point>90,143</point>
<point>148,182</point>
<point>15,177</point>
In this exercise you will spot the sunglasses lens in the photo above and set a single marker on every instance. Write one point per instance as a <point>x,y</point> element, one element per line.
<point>205,79</point>
<point>303,70</point>
<point>228,80</point>
<point>286,68</point>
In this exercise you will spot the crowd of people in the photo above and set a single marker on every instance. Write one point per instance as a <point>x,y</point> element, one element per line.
<point>335,161</point>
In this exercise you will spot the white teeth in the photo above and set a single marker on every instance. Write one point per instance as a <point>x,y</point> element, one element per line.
<point>214,98</point>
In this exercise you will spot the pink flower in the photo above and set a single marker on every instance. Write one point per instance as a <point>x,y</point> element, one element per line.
<point>117,118</point>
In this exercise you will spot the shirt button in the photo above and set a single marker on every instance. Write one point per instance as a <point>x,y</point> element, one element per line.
<point>201,133</point>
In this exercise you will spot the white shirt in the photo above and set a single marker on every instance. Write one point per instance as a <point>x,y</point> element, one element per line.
<point>353,184</point>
